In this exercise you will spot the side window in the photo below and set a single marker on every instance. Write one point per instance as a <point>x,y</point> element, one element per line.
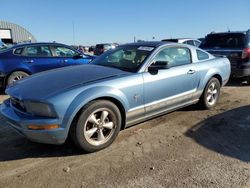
<point>197,43</point>
<point>18,51</point>
<point>190,42</point>
<point>38,51</point>
<point>202,55</point>
<point>62,51</point>
<point>175,56</point>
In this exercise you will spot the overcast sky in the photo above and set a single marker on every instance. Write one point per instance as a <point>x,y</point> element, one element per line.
<point>94,21</point>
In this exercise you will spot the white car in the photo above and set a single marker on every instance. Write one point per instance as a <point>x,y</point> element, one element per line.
<point>190,41</point>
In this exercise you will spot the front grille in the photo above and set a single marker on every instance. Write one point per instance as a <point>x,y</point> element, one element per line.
<point>18,104</point>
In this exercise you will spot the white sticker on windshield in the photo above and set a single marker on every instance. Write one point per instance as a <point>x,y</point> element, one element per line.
<point>146,48</point>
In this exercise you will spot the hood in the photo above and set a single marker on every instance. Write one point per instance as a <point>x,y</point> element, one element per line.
<point>42,85</point>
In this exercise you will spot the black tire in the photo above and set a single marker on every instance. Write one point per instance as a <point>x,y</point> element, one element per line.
<point>15,76</point>
<point>83,131</point>
<point>248,80</point>
<point>206,101</point>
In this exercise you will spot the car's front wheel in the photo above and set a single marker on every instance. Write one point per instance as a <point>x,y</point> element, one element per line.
<point>97,127</point>
<point>211,94</point>
<point>15,76</point>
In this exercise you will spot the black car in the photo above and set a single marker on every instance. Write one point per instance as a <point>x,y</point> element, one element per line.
<point>234,45</point>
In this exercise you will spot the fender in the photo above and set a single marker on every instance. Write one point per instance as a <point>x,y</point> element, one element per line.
<point>208,76</point>
<point>89,95</point>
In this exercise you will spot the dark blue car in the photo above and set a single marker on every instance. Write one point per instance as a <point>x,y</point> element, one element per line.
<point>22,60</point>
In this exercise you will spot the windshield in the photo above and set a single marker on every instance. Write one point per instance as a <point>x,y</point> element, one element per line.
<point>127,58</point>
<point>227,40</point>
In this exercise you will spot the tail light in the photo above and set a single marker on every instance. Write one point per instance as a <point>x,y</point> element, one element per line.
<point>246,53</point>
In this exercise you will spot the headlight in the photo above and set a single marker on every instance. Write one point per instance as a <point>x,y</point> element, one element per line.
<point>40,109</point>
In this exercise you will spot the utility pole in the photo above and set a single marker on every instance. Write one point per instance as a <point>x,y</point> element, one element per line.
<point>73,25</point>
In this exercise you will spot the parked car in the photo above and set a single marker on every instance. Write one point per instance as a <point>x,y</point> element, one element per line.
<point>235,46</point>
<point>193,42</point>
<point>130,84</point>
<point>101,48</point>
<point>22,60</point>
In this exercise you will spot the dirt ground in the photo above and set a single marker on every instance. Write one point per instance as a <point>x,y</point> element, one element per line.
<point>187,148</point>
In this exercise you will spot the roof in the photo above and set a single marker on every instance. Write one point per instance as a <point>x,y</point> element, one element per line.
<point>37,43</point>
<point>147,43</point>
<point>229,32</point>
<point>18,33</point>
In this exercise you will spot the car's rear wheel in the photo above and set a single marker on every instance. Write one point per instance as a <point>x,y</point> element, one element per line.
<point>97,127</point>
<point>211,94</point>
<point>15,76</point>
<point>248,80</point>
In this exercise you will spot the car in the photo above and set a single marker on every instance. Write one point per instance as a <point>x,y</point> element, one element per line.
<point>122,87</point>
<point>235,46</point>
<point>101,48</point>
<point>190,41</point>
<point>19,61</point>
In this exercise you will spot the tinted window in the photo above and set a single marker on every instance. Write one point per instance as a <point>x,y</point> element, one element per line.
<point>18,51</point>
<point>65,52</point>
<point>38,51</point>
<point>171,40</point>
<point>190,42</point>
<point>227,40</point>
<point>202,55</point>
<point>128,58</point>
<point>174,56</point>
<point>98,46</point>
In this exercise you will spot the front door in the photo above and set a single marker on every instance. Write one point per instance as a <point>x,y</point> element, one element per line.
<point>68,56</point>
<point>173,86</point>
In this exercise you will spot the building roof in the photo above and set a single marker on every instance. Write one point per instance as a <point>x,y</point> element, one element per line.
<point>18,33</point>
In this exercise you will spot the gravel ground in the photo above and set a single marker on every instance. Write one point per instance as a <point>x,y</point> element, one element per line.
<point>187,148</point>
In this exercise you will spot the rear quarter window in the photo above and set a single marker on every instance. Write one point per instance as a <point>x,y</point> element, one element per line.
<point>18,51</point>
<point>202,55</point>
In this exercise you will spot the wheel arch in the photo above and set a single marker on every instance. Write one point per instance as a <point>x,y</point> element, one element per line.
<point>89,95</point>
<point>217,76</point>
<point>107,98</point>
<point>16,70</point>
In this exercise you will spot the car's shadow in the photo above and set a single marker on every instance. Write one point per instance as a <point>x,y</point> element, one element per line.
<point>227,133</point>
<point>27,149</point>
<point>14,146</point>
<point>234,82</point>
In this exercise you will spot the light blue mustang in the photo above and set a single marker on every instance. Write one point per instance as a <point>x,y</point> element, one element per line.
<point>122,87</point>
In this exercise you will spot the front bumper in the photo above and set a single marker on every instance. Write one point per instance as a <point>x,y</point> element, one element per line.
<point>20,123</point>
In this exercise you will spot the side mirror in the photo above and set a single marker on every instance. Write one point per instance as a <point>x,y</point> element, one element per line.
<point>155,67</point>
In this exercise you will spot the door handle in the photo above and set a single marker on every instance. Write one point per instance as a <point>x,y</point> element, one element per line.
<point>29,61</point>
<point>191,71</point>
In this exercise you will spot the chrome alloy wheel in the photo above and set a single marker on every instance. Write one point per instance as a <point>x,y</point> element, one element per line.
<point>212,94</point>
<point>18,77</point>
<point>99,127</point>
<point>15,76</point>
